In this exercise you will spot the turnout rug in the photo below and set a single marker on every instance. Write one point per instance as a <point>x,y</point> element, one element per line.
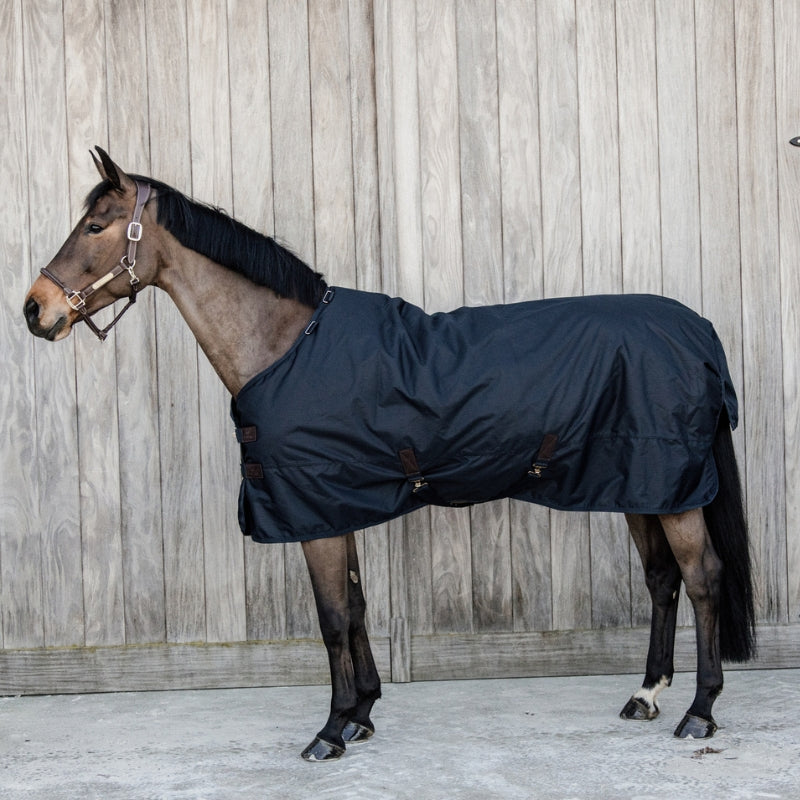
<point>605,403</point>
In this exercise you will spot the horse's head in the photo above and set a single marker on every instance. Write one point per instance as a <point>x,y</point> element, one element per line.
<point>95,265</point>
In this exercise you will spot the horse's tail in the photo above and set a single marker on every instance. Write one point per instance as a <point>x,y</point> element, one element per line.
<point>726,523</point>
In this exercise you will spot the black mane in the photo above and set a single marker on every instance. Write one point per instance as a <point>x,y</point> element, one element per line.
<point>212,233</point>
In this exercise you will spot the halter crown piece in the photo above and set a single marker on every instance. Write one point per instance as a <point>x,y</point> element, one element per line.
<point>77,299</point>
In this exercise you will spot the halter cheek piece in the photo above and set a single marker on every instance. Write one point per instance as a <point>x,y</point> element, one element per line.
<point>77,299</point>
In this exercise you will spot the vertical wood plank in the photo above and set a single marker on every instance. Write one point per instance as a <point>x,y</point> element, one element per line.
<point>719,185</point>
<point>599,147</point>
<point>292,170</point>
<point>518,111</point>
<point>478,126</point>
<point>640,211</point>
<point>491,566</point>
<point>602,261</point>
<point>409,280</point>
<point>251,169</point>
<point>561,247</point>
<point>531,561</point>
<point>98,436</point>
<point>374,545</point>
<point>481,234</point>
<point>406,279</point>
<point>761,328</point>
<point>332,157</point>
<point>209,102</point>
<point>439,159</point>
<point>292,166</point>
<point>364,135</point>
<point>178,391</point>
<point>560,156</point>
<point>135,342</point>
<point>677,132</point>
<point>22,619</point>
<point>518,114</point>
<point>787,74</point>
<point>57,437</point>
<point>677,129</point>
<point>640,217</point>
<point>250,123</point>
<point>443,279</point>
<point>400,248</point>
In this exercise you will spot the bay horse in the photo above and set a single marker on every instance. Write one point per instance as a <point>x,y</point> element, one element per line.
<point>137,231</point>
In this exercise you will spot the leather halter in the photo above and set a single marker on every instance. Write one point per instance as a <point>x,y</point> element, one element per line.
<point>77,299</point>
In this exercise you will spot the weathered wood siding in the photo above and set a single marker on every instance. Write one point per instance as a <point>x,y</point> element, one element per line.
<point>451,152</point>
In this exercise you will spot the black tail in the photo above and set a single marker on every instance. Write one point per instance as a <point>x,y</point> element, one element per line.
<point>727,526</point>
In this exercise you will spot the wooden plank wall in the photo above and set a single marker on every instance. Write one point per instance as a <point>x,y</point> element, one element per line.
<point>447,151</point>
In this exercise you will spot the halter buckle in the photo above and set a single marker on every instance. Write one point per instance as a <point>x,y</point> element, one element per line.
<point>134,231</point>
<point>80,305</point>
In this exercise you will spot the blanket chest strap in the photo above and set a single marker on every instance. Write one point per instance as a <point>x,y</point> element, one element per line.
<point>252,470</point>
<point>247,434</point>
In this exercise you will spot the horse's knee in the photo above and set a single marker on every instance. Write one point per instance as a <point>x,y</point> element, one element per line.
<point>663,582</point>
<point>703,584</point>
<point>335,627</point>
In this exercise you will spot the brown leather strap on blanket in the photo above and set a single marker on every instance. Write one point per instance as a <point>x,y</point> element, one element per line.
<point>247,434</point>
<point>252,471</point>
<point>544,455</point>
<point>408,460</point>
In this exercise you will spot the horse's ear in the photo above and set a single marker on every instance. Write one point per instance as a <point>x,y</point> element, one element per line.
<point>110,171</point>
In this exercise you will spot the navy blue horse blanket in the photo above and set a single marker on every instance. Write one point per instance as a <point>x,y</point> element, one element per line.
<point>606,403</point>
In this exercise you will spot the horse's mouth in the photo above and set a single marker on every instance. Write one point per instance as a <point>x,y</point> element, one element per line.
<point>57,331</point>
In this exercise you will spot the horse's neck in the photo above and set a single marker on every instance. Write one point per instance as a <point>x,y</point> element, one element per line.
<point>242,327</point>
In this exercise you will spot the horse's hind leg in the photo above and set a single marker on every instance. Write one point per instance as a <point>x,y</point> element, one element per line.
<point>327,566</point>
<point>701,569</point>
<point>359,727</point>
<point>663,578</point>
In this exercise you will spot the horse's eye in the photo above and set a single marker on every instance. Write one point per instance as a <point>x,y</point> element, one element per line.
<point>93,227</point>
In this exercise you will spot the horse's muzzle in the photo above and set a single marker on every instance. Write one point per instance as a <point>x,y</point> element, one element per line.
<point>33,319</point>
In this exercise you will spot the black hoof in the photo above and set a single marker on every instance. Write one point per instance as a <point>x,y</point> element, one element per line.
<point>320,750</point>
<point>637,709</point>
<point>693,727</point>
<point>355,732</point>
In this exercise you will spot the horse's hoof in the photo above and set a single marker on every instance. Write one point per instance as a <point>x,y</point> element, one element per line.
<point>637,709</point>
<point>355,732</point>
<point>692,727</point>
<point>320,750</point>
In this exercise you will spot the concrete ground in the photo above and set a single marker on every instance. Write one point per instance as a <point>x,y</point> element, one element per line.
<point>537,738</point>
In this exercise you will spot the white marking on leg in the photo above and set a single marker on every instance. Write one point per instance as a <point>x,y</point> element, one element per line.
<point>648,696</point>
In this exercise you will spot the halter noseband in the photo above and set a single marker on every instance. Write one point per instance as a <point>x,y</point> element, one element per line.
<point>77,299</point>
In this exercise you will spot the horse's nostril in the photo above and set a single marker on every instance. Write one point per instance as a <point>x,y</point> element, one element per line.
<point>31,311</point>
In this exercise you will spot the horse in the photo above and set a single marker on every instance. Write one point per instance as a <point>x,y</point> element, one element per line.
<point>257,312</point>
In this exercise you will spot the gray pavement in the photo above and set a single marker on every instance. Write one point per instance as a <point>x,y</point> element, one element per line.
<point>537,738</point>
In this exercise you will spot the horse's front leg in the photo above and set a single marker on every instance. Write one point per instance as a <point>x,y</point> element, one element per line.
<point>327,566</point>
<point>701,568</point>
<point>663,578</point>
<point>359,727</point>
